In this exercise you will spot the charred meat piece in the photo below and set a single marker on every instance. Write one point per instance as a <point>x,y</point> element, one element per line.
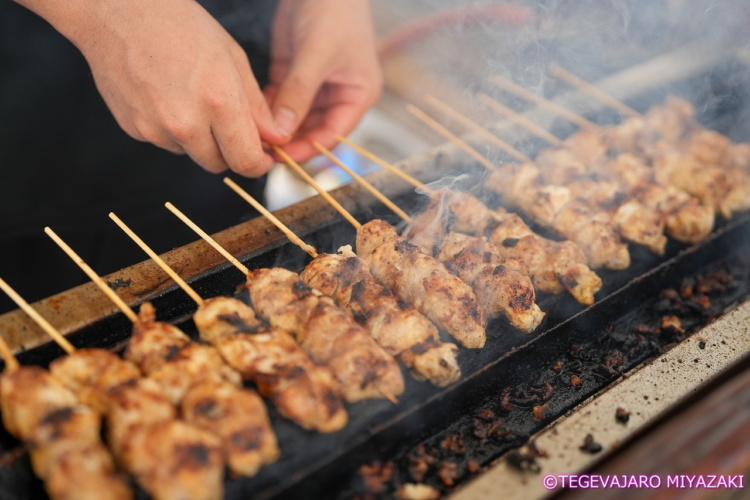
<point>302,391</point>
<point>402,331</point>
<point>423,282</point>
<point>90,373</point>
<point>502,285</point>
<point>62,435</point>
<point>238,418</point>
<point>326,333</point>
<point>554,266</point>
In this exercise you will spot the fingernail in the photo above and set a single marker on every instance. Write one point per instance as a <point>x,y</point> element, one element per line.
<point>285,120</point>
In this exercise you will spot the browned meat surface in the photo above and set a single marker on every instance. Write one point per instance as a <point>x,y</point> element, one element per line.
<point>86,472</point>
<point>502,285</point>
<point>402,331</point>
<point>175,460</point>
<point>134,405</point>
<point>687,220</point>
<point>62,436</point>
<point>29,394</point>
<point>579,221</point>
<point>153,341</point>
<point>239,418</point>
<point>190,365</point>
<point>327,334</point>
<point>302,391</point>
<point>554,266</point>
<point>725,188</point>
<point>90,373</point>
<point>423,282</point>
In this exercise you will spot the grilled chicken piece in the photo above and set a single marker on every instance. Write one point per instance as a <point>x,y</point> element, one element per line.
<point>153,341</point>
<point>173,459</point>
<point>686,219</point>
<point>179,368</point>
<point>169,458</point>
<point>238,418</point>
<point>633,220</point>
<point>724,188</point>
<point>29,394</point>
<point>575,219</point>
<point>90,373</point>
<point>554,266</point>
<point>86,473</point>
<point>402,331</point>
<point>134,405</point>
<point>63,436</point>
<point>302,391</point>
<point>60,430</point>
<point>190,365</point>
<point>423,282</point>
<point>502,285</point>
<point>326,333</point>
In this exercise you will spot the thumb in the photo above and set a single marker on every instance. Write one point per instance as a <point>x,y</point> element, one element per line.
<point>295,94</point>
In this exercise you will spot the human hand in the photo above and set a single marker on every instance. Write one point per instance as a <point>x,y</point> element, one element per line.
<point>324,71</point>
<point>172,76</point>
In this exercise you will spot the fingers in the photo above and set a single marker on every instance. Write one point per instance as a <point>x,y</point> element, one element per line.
<point>294,95</point>
<point>238,143</point>
<point>322,125</point>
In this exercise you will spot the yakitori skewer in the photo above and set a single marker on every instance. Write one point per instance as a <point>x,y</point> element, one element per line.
<point>550,205</point>
<point>518,119</point>
<point>554,266</point>
<point>62,435</point>
<point>325,332</point>
<point>238,416</point>
<point>169,458</point>
<point>418,279</point>
<point>302,391</point>
<point>633,220</point>
<point>591,90</point>
<point>686,219</point>
<point>402,331</point>
<point>552,106</point>
<point>503,286</point>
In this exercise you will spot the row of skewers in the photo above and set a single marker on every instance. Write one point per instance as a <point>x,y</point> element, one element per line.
<point>176,411</point>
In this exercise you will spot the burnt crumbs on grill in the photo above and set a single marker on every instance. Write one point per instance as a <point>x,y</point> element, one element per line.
<point>507,418</point>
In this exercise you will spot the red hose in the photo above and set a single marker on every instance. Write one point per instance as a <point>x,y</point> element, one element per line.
<point>465,15</point>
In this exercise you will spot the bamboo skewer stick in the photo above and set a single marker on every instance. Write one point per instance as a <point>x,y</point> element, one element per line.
<point>263,210</point>
<point>163,265</point>
<point>468,123</point>
<point>98,280</point>
<point>460,143</point>
<point>160,262</point>
<point>330,199</point>
<point>372,157</point>
<point>11,362</point>
<point>591,90</point>
<point>394,169</point>
<point>540,101</point>
<point>363,182</point>
<point>38,318</point>
<point>437,127</point>
<point>518,119</point>
<point>208,239</point>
